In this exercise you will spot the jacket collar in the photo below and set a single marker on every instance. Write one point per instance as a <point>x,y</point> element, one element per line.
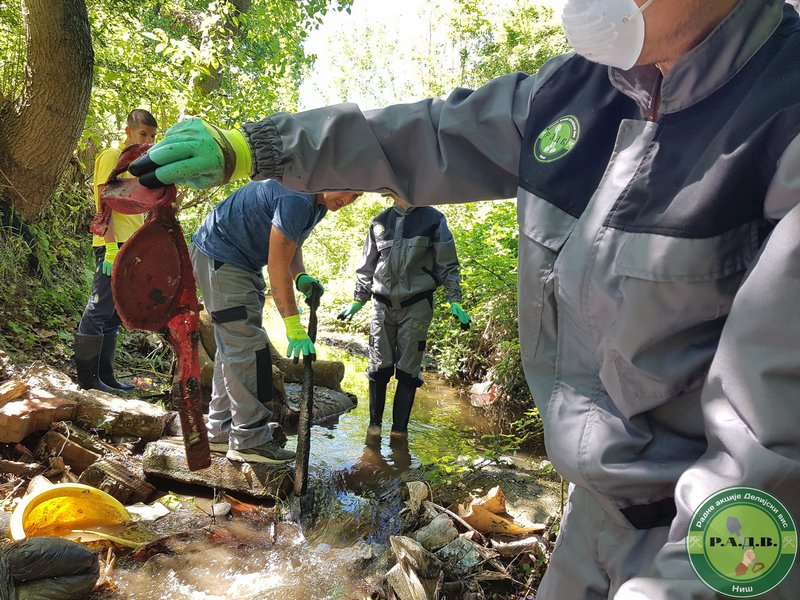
<point>402,211</point>
<point>710,64</point>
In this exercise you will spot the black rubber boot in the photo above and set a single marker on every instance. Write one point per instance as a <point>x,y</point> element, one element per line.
<point>403,401</point>
<point>87,358</point>
<point>377,402</point>
<point>105,365</point>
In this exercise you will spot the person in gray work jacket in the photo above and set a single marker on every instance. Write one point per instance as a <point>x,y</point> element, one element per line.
<point>408,253</point>
<point>657,172</point>
<point>262,224</point>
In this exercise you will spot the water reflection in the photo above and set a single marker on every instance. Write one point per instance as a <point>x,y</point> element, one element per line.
<point>372,471</point>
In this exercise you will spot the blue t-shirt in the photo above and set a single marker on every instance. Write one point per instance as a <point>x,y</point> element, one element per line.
<point>237,230</point>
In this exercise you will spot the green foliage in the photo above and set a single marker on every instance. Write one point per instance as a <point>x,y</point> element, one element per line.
<point>175,58</point>
<point>444,471</point>
<point>12,49</point>
<point>43,306</point>
<point>526,38</point>
<point>487,40</point>
<point>187,57</point>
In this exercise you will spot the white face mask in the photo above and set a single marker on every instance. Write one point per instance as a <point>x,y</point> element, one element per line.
<point>610,32</point>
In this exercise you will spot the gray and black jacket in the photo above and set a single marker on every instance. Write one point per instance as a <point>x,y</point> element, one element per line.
<point>408,253</point>
<point>659,267</point>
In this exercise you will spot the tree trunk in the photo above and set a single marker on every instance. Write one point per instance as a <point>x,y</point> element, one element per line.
<point>327,373</point>
<point>39,133</point>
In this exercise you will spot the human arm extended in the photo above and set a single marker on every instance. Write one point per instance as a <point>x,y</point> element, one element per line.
<point>433,151</point>
<point>282,252</point>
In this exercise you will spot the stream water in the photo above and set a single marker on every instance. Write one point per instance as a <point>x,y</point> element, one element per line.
<point>355,507</point>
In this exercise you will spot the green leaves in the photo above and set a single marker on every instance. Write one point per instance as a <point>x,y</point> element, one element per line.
<point>187,57</point>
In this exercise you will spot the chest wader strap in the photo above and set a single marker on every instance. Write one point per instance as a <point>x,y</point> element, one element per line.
<point>655,514</point>
<point>408,301</point>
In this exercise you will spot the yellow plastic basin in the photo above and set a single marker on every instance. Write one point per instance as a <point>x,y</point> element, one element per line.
<point>63,507</point>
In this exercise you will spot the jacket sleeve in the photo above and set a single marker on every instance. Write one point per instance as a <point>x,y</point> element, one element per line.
<point>750,402</point>
<point>435,151</point>
<point>364,273</point>
<point>446,262</point>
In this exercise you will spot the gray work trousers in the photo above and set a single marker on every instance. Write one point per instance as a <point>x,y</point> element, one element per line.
<point>397,341</point>
<point>242,382</point>
<point>597,550</point>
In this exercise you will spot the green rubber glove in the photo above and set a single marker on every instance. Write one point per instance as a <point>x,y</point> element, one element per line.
<point>305,283</point>
<point>299,342</point>
<point>347,313</point>
<point>460,314</point>
<point>111,255</point>
<point>195,154</point>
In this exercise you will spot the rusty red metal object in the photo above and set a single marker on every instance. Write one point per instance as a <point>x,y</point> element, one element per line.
<point>127,196</point>
<point>154,289</point>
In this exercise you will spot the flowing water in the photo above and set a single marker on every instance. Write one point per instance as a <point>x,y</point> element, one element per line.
<point>355,507</point>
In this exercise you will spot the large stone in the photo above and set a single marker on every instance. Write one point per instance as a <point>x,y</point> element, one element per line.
<point>166,459</point>
<point>19,418</point>
<point>121,416</point>
<point>95,409</point>
<point>327,404</point>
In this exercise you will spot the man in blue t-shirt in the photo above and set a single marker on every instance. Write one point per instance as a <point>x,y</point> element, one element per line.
<point>260,224</point>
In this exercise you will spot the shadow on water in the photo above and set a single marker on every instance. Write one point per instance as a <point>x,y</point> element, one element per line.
<point>355,502</point>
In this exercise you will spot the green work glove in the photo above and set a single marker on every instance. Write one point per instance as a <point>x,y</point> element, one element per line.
<point>305,283</point>
<point>460,314</point>
<point>347,313</point>
<point>299,342</point>
<point>111,255</point>
<point>195,154</point>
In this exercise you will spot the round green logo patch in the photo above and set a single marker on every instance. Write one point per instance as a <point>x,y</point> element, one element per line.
<point>557,139</point>
<point>742,542</point>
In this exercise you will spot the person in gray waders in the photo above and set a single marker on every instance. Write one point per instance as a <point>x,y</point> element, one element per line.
<point>262,224</point>
<point>409,252</point>
<point>658,198</point>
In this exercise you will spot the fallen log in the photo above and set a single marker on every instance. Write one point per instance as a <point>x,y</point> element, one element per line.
<point>76,456</point>
<point>115,479</point>
<point>20,468</point>
<point>327,373</point>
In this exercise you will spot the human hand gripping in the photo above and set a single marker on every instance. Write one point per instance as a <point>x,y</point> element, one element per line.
<point>299,342</point>
<point>460,314</point>
<point>305,283</point>
<point>112,248</point>
<point>196,154</point>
